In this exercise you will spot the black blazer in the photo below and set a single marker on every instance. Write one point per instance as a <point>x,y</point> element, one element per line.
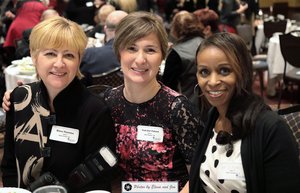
<point>269,156</point>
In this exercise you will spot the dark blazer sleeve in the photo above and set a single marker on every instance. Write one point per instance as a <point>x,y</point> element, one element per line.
<point>8,164</point>
<point>195,185</point>
<point>281,162</point>
<point>270,157</point>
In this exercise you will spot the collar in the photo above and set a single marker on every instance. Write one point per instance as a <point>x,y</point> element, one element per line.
<point>68,98</point>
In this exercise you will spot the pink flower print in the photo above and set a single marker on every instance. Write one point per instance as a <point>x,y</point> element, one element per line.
<point>159,147</point>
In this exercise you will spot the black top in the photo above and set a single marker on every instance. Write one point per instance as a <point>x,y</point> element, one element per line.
<point>269,156</point>
<point>29,124</point>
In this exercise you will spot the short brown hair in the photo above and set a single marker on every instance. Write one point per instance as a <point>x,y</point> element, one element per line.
<point>185,25</point>
<point>137,25</point>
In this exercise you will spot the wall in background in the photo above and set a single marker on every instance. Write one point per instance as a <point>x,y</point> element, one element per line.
<point>268,3</point>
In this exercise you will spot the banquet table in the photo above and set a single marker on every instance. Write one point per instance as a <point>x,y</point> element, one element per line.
<point>260,36</point>
<point>275,62</point>
<point>12,75</point>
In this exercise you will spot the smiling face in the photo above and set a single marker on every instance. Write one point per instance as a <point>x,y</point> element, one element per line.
<point>216,77</point>
<point>57,68</point>
<point>140,60</point>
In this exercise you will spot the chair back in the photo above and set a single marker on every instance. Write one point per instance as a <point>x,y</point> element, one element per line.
<point>99,89</point>
<point>271,27</point>
<point>281,8</point>
<point>111,78</point>
<point>292,117</point>
<point>290,46</point>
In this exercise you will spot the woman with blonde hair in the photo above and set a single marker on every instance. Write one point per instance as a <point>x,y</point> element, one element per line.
<point>46,129</point>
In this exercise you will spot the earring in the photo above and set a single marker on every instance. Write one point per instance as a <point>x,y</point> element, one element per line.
<point>198,90</point>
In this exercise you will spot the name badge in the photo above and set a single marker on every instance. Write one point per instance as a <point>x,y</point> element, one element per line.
<point>64,134</point>
<point>231,171</point>
<point>89,4</point>
<point>150,133</point>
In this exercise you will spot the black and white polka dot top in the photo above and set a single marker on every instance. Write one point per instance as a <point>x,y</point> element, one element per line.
<point>221,170</point>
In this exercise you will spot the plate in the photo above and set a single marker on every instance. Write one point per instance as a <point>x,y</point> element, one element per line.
<point>97,191</point>
<point>25,60</point>
<point>26,69</point>
<point>24,72</point>
<point>13,190</point>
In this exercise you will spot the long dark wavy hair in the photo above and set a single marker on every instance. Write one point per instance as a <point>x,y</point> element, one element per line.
<point>244,106</point>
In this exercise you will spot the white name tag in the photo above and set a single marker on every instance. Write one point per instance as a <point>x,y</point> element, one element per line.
<point>64,134</point>
<point>150,133</point>
<point>89,4</point>
<point>231,171</point>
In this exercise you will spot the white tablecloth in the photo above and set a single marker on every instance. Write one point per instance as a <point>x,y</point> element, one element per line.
<point>12,75</point>
<point>260,36</point>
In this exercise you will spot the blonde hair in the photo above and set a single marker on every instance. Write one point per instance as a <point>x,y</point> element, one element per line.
<point>48,13</point>
<point>104,11</point>
<point>57,32</point>
<point>128,5</point>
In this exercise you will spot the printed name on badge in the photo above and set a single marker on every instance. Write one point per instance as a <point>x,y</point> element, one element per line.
<point>231,171</point>
<point>64,134</point>
<point>150,133</point>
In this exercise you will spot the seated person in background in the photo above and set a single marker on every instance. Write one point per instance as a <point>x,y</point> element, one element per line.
<point>98,4</point>
<point>97,60</point>
<point>180,69</point>
<point>28,14</point>
<point>42,109</point>
<point>209,19</point>
<point>22,49</point>
<point>245,146</point>
<point>101,16</point>
<point>125,5</point>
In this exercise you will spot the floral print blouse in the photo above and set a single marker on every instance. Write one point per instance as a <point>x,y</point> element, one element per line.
<point>149,160</point>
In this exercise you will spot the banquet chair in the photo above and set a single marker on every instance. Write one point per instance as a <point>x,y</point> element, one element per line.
<point>259,61</point>
<point>271,27</point>
<point>281,8</point>
<point>99,89</point>
<point>290,46</point>
<point>292,117</point>
<point>111,78</point>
